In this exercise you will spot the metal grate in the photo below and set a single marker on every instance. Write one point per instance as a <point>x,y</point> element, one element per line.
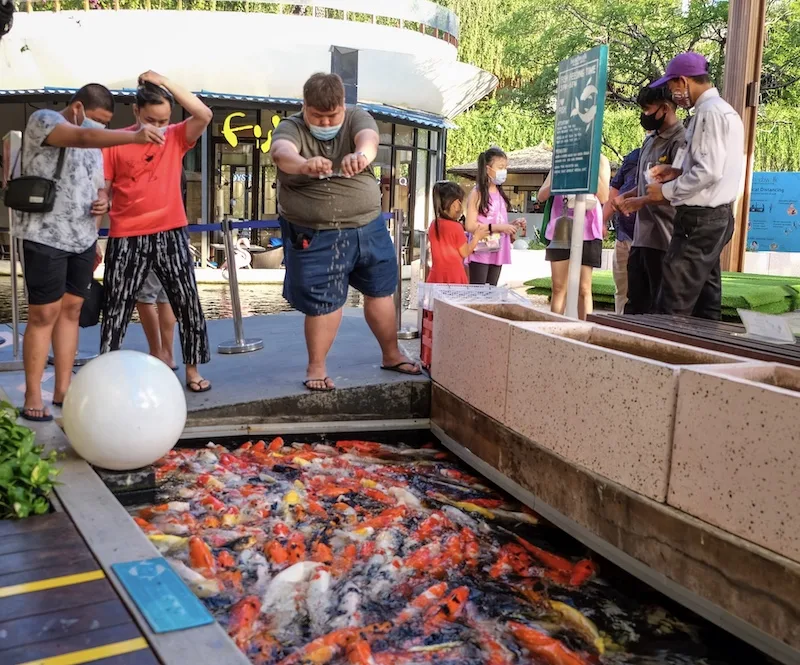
<point>468,293</point>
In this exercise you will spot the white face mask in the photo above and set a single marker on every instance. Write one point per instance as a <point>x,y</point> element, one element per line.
<point>88,123</point>
<point>500,176</point>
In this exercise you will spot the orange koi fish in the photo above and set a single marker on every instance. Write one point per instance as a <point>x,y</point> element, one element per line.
<point>548,649</point>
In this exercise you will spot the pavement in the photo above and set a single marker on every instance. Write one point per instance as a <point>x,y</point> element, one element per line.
<point>266,385</point>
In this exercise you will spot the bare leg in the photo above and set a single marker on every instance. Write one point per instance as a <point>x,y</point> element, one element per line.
<point>585,303</point>
<point>166,324</point>
<point>320,334</point>
<point>65,343</point>
<point>382,320</point>
<point>35,346</point>
<point>559,271</point>
<point>148,315</point>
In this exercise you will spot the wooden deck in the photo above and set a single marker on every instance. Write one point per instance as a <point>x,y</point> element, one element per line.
<point>56,605</point>
<point>713,335</point>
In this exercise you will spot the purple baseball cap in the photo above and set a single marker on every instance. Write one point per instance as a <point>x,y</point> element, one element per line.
<point>686,64</point>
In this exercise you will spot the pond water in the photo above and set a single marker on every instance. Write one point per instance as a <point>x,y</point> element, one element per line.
<point>256,299</point>
<point>316,551</point>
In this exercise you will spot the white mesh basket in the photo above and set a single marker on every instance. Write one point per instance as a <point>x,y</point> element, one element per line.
<point>468,293</point>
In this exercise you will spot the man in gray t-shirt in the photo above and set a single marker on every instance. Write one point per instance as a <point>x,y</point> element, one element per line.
<point>333,231</point>
<point>59,246</point>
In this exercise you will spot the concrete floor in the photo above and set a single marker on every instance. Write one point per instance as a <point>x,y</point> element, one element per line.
<point>268,383</point>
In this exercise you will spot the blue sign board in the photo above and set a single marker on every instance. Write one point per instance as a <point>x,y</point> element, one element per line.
<point>161,595</point>
<point>774,221</point>
<point>580,102</point>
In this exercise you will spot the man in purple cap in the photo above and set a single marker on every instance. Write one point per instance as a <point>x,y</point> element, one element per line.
<point>701,184</point>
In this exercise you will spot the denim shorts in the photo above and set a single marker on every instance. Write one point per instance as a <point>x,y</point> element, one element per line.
<point>318,275</point>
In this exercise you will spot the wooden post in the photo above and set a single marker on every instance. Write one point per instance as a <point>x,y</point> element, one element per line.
<point>741,87</point>
<point>28,6</point>
<point>57,6</point>
<point>86,5</point>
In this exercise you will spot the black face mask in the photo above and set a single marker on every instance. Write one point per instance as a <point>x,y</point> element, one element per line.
<point>651,123</point>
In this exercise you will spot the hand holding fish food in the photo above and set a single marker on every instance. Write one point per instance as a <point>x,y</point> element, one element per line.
<point>372,554</point>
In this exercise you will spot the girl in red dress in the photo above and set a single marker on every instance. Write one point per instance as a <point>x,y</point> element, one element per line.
<point>449,244</point>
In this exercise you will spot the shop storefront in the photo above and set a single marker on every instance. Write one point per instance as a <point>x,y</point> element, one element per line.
<point>240,182</point>
<point>398,58</point>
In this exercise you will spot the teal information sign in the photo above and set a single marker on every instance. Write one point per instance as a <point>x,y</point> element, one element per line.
<point>580,102</point>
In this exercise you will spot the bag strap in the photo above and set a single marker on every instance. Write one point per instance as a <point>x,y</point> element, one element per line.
<point>60,165</point>
<point>10,175</point>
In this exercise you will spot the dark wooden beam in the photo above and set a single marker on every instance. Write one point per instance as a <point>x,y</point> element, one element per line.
<point>743,56</point>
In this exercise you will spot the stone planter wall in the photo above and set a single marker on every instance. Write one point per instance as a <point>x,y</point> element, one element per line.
<point>471,350</point>
<point>600,398</point>
<point>736,453</point>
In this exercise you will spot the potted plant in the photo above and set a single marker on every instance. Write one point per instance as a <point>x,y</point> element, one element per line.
<point>26,475</point>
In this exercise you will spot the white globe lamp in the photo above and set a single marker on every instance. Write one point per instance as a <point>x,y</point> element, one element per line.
<point>124,410</point>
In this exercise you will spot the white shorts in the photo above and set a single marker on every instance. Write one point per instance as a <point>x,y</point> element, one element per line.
<point>152,291</point>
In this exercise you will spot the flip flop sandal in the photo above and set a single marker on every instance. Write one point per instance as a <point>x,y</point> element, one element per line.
<point>326,389</point>
<point>58,404</point>
<point>399,368</point>
<point>175,369</point>
<point>199,388</point>
<point>44,418</point>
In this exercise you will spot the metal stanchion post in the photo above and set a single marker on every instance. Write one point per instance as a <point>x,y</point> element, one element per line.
<point>14,293</point>
<point>240,344</point>
<point>403,332</point>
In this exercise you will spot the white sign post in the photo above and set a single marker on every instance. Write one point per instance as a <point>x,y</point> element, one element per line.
<point>580,102</point>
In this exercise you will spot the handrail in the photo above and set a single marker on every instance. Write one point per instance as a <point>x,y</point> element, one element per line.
<point>427,17</point>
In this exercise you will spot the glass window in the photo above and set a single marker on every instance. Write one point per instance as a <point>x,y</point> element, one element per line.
<point>402,193</point>
<point>234,181</point>
<point>422,138</point>
<point>434,144</point>
<point>385,130</point>
<point>382,167</point>
<point>421,199</point>
<point>403,135</point>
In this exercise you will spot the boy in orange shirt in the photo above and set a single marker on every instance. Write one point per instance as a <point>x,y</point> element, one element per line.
<point>148,223</point>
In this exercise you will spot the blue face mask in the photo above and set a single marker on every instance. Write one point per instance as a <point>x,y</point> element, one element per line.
<point>324,133</point>
<point>88,123</point>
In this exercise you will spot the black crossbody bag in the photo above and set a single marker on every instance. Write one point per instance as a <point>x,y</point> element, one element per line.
<point>32,193</point>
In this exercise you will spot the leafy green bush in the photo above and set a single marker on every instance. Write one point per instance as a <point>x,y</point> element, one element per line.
<point>26,476</point>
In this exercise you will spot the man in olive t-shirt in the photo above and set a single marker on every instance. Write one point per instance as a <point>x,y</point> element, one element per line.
<point>334,234</point>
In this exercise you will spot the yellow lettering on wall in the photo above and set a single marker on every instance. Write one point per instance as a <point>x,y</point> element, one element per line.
<point>263,141</point>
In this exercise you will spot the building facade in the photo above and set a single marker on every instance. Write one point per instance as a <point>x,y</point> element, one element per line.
<point>248,62</point>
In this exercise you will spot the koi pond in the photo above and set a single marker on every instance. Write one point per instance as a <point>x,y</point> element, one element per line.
<point>380,552</point>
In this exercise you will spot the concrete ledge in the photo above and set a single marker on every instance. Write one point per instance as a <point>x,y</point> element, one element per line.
<point>384,401</point>
<point>756,587</point>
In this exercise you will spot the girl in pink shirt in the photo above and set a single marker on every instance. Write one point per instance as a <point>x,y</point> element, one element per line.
<point>488,204</point>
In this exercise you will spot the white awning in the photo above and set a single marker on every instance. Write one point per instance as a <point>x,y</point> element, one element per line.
<point>221,52</point>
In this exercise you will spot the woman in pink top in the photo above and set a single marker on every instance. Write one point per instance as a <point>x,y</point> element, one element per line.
<point>593,234</point>
<point>488,204</point>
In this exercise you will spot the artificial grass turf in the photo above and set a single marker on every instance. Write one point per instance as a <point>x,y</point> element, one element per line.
<point>768,294</point>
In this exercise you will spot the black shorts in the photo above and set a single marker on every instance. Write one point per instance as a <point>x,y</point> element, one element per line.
<point>592,254</point>
<point>51,272</point>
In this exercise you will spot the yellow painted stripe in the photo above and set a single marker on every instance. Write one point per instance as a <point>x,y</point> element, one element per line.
<point>90,655</point>
<point>51,583</point>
